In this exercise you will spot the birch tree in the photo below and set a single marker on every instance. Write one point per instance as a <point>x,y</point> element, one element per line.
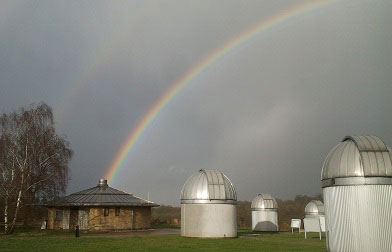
<point>33,158</point>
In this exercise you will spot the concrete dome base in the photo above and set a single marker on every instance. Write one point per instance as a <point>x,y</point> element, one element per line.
<point>209,220</point>
<point>266,221</point>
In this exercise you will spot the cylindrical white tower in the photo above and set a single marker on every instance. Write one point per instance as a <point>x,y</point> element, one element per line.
<point>208,206</point>
<point>314,209</point>
<point>357,187</point>
<point>264,213</point>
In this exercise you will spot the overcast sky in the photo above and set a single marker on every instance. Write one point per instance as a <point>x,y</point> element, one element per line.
<point>266,114</point>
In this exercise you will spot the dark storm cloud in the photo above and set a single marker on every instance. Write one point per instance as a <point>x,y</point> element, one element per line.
<point>266,114</point>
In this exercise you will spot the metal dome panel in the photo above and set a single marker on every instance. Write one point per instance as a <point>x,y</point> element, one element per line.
<point>208,186</point>
<point>358,156</point>
<point>368,143</point>
<point>264,202</point>
<point>314,207</point>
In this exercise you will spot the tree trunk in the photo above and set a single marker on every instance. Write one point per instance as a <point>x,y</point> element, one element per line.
<point>11,229</point>
<point>5,214</point>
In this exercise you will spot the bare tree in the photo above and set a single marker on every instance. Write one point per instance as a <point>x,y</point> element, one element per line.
<point>33,158</point>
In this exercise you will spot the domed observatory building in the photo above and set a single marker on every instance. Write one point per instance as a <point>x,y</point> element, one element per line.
<point>208,205</point>
<point>264,213</point>
<point>357,187</point>
<point>314,209</point>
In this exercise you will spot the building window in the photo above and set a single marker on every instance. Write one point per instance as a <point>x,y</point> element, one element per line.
<point>117,211</point>
<point>106,211</point>
<point>59,215</point>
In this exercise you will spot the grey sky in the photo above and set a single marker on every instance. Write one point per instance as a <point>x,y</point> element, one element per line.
<point>266,114</point>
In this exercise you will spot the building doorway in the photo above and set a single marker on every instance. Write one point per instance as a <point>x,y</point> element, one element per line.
<point>73,218</point>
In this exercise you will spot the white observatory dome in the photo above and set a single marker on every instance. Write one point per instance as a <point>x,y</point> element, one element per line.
<point>265,213</point>
<point>264,201</point>
<point>208,206</point>
<point>357,190</point>
<point>314,208</point>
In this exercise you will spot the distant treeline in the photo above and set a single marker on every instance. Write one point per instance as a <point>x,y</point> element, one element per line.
<point>288,209</point>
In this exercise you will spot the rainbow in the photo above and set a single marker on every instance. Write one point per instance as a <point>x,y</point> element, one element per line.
<point>175,88</point>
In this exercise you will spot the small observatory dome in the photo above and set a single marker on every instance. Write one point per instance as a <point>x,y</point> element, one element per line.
<point>357,188</point>
<point>264,201</point>
<point>264,213</point>
<point>208,205</point>
<point>314,209</point>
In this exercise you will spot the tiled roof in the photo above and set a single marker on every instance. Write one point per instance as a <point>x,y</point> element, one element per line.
<point>103,195</point>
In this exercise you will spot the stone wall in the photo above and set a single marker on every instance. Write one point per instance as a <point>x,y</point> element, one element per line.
<point>51,213</point>
<point>52,222</point>
<point>142,217</point>
<point>93,218</point>
<point>129,218</point>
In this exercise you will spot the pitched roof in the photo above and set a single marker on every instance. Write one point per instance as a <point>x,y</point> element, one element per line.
<point>103,195</point>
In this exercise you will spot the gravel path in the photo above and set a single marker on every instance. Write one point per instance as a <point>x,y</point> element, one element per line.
<point>160,231</point>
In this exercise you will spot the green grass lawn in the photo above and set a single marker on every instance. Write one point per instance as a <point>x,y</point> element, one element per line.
<point>61,241</point>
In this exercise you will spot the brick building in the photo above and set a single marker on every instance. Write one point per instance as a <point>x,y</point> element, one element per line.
<point>100,208</point>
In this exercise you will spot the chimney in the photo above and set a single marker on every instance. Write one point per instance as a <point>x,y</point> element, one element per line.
<point>103,182</point>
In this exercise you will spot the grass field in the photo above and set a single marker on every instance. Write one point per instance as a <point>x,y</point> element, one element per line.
<point>60,241</point>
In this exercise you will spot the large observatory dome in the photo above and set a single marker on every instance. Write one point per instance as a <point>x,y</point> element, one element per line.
<point>357,188</point>
<point>357,156</point>
<point>208,187</point>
